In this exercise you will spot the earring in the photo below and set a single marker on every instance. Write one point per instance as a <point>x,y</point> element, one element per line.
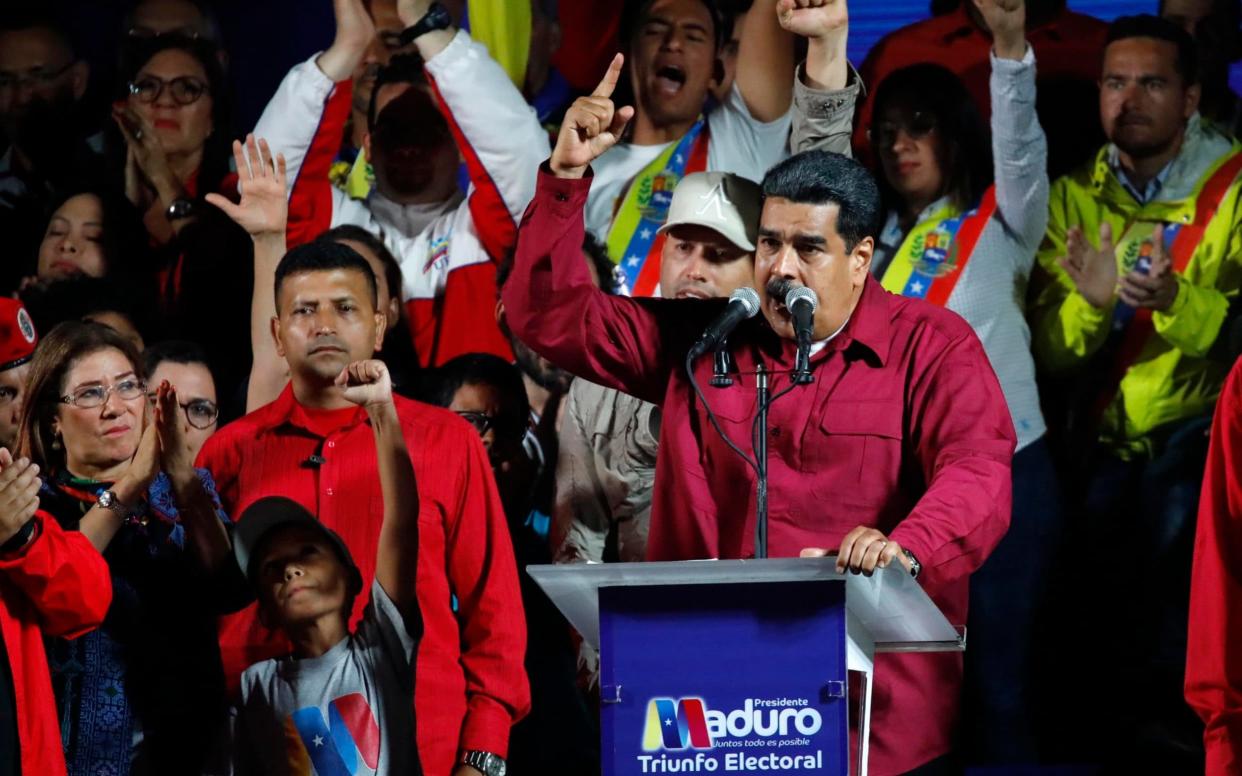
<point>55,441</point>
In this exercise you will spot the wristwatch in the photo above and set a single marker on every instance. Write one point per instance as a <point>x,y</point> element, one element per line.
<point>486,762</point>
<point>436,18</point>
<point>915,567</point>
<point>109,500</point>
<point>180,208</point>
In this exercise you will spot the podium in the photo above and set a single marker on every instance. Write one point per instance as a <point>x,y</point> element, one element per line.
<point>740,666</point>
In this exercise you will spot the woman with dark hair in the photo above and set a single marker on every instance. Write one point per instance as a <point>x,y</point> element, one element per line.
<point>961,231</point>
<point>90,231</point>
<point>145,692</point>
<point>173,119</point>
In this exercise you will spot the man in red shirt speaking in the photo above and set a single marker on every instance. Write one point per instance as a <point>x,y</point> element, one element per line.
<point>898,451</point>
<point>315,447</point>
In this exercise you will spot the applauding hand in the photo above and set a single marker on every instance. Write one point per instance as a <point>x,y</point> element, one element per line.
<point>264,207</point>
<point>592,125</point>
<point>1094,272</point>
<point>19,493</point>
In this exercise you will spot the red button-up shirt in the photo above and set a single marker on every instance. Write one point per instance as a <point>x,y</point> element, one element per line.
<point>1214,647</point>
<point>470,682</point>
<point>904,429</point>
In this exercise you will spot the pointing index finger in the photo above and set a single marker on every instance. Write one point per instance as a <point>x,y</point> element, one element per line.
<point>609,84</point>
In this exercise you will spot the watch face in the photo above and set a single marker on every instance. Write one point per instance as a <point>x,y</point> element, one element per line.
<point>105,499</point>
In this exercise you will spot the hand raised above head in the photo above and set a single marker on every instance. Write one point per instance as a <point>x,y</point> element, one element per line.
<point>814,18</point>
<point>264,206</point>
<point>1006,20</point>
<point>592,125</point>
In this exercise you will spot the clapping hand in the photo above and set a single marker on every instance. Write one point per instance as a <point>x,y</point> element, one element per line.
<point>814,19</point>
<point>146,162</point>
<point>19,493</point>
<point>366,383</point>
<point>1094,272</point>
<point>264,206</point>
<point>1155,289</point>
<point>175,453</point>
<point>592,125</point>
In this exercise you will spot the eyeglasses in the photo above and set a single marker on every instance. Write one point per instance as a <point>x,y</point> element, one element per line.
<point>31,78</point>
<point>93,396</point>
<point>185,90</point>
<point>917,126</point>
<point>481,421</point>
<point>146,33</point>
<point>199,413</point>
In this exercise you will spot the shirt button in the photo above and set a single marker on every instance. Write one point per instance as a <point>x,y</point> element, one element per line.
<point>562,198</point>
<point>331,445</point>
<point>329,491</point>
<point>776,432</point>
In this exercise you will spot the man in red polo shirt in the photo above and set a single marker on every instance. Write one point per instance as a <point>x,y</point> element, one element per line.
<point>1068,46</point>
<point>315,447</point>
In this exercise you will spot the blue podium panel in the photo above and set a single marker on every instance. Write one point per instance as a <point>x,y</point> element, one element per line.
<point>724,678</point>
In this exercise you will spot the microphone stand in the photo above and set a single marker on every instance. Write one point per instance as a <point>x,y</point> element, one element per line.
<point>761,459</point>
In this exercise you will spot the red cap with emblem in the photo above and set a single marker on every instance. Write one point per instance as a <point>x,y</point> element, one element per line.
<point>17,334</point>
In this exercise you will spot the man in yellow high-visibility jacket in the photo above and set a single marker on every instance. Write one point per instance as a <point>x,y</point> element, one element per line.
<point>1139,270</point>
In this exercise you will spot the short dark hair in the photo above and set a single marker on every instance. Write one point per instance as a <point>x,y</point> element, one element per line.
<point>401,69</point>
<point>823,178</point>
<point>355,233</point>
<point>964,149</point>
<point>1147,26</point>
<point>596,253</point>
<point>173,351</point>
<point>631,23</point>
<point>323,256</point>
<point>485,369</point>
<point>30,18</point>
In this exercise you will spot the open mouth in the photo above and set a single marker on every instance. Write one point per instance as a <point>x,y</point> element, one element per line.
<point>692,293</point>
<point>669,79</point>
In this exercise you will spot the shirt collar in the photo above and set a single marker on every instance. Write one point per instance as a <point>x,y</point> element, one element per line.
<point>1148,192</point>
<point>868,324</point>
<point>287,412</point>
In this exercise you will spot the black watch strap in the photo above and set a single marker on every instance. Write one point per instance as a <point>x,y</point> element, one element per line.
<point>436,18</point>
<point>19,539</point>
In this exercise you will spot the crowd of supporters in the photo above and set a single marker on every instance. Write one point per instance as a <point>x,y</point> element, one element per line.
<point>287,409</point>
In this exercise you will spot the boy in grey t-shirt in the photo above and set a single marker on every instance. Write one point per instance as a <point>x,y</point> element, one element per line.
<point>342,703</point>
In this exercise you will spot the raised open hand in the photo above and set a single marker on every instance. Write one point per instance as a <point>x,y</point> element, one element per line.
<point>264,207</point>
<point>19,493</point>
<point>814,18</point>
<point>592,125</point>
<point>1006,20</point>
<point>1094,272</point>
<point>366,383</point>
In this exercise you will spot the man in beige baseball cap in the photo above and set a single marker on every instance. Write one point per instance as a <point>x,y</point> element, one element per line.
<point>709,237</point>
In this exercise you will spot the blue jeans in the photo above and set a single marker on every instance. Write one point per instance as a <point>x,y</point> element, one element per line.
<point>1006,594</point>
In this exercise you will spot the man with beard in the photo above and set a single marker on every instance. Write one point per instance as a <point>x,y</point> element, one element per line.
<point>314,446</point>
<point>42,81</point>
<point>1141,265</point>
<point>446,244</point>
<point>673,49</point>
<point>897,453</point>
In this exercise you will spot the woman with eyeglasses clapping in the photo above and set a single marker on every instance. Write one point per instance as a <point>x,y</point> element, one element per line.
<point>145,692</point>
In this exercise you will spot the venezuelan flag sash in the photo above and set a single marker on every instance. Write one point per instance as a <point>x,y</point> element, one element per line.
<point>934,255</point>
<point>632,240</point>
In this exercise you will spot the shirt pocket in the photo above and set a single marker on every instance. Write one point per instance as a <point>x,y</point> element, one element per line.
<point>852,454</point>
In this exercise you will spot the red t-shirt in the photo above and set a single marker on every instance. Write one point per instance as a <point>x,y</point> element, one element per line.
<point>470,683</point>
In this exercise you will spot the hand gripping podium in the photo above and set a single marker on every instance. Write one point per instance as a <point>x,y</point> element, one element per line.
<point>740,666</point>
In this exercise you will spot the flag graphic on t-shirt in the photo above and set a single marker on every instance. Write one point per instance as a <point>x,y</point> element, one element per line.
<point>333,746</point>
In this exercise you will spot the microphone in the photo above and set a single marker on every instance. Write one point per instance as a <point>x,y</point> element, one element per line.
<point>802,303</point>
<point>743,304</point>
